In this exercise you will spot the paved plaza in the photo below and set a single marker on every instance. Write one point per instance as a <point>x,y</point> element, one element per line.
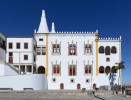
<point>44,96</point>
<point>41,95</point>
<point>115,97</point>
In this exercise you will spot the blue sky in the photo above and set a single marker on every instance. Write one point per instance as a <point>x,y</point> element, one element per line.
<point>111,17</point>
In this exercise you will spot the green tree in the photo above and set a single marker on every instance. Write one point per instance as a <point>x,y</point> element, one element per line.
<point>120,66</point>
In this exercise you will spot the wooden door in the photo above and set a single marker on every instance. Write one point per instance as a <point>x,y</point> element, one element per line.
<point>78,86</point>
<point>94,86</point>
<point>61,86</point>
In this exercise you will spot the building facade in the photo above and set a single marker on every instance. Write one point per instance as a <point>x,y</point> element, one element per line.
<point>70,60</point>
<point>21,53</point>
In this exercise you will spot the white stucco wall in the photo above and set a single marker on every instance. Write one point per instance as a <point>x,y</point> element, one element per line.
<point>103,78</point>
<point>2,69</point>
<point>40,59</point>
<point>80,59</point>
<point>65,59</point>
<point>6,70</point>
<point>18,54</point>
<point>19,82</point>
<point>2,54</point>
<point>9,71</point>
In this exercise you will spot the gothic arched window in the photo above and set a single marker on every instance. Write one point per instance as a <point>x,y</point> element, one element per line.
<point>101,69</point>
<point>113,50</point>
<point>107,50</point>
<point>101,49</point>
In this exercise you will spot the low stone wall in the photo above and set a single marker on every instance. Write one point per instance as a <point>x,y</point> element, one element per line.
<point>23,82</point>
<point>103,92</point>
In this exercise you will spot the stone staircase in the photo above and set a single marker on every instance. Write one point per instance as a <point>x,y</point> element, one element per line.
<point>9,65</point>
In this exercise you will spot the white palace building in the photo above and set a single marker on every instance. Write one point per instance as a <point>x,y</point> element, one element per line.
<point>58,60</point>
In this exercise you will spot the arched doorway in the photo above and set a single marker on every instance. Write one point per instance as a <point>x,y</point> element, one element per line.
<point>61,86</point>
<point>94,86</point>
<point>41,70</point>
<point>78,86</point>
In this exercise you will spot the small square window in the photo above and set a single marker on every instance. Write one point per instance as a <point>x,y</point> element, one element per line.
<point>10,54</point>
<point>10,45</point>
<point>40,39</point>
<point>72,81</point>
<point>18,45</point>
<point>25,57</point>
<point>87,80</point>
<point>53,80</point>
<point>25,45</point>
<point>107,59</point>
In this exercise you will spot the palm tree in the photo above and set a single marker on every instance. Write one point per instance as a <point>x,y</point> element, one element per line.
<point>120,67</point>
<point>112,78</point>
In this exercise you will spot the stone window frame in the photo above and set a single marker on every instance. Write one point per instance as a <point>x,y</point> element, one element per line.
<point>56,66</point>
<point>56,49</point>
<point>86,49</point>
<point>72,70</point>
<point>41,50</point>
<point>72,49</point>
<point>89,68</point>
